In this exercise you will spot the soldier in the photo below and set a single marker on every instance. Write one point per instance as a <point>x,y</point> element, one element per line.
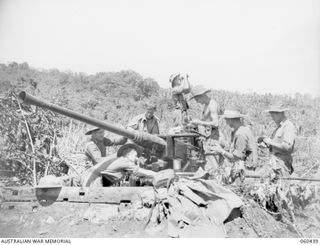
<point>243,150</point>
<point>95,149</point>
<point>281,143</point>
<point>126,163</point>
<point>281,146</point>
<point>210,110</point>
<point>208,125</point>
<point>146,122</point>
<point>180,87</point>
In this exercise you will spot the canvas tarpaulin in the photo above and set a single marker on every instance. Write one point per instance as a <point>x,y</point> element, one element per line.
<point>194,208</point>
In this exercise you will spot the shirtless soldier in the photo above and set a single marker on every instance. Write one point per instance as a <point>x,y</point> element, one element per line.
<point>208,124</point>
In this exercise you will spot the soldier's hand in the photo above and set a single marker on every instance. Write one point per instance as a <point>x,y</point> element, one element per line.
<point>214,149</point>
<point>267,140</point>
<point>184,76</point>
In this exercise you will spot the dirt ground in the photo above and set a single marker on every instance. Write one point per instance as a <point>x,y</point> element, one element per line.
<point>72,220</point>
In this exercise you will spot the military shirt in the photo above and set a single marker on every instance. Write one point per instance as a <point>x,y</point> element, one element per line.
<point>118,169</point>
<point>244,146</point>
<point>95,150</point>
<point>142,124</point>
<point>285,133</point>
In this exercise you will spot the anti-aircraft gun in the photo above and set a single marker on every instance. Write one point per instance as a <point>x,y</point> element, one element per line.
<point>170,148</point>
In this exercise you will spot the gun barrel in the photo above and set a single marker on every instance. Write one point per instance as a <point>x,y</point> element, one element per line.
<point>27,98</point>
<point>152,142</point>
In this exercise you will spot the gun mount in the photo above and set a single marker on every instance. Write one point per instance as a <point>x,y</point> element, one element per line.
<point>163,146</point>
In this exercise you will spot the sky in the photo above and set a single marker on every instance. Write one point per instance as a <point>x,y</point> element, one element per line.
<point>265,46</point>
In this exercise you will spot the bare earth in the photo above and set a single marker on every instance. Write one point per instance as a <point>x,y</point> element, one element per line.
<point>71,220</point>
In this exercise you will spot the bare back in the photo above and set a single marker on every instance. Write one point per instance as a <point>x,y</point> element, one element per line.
<point>210,113</point>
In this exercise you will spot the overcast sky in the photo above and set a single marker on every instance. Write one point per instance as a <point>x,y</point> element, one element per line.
<point>244,45</point>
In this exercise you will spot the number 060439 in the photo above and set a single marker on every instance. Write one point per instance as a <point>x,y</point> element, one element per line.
<point>311,240</point>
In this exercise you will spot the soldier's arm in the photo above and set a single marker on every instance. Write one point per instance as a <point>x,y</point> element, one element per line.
<point>145,172</point>
<point>130,167</point>
<point>289,137</point>
<point>183,88</point>
<point>222,140</point>
<point>214,122</point>
<point>239,152</point>
<point>286,145</point>
<point>118,141</point>
<point>279,146</point>
<point>134,123</point>
<point>93,151</point>
<point>213,108</point>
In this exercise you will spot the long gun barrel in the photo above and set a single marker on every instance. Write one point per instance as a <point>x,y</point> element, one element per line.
<point>155,144</point>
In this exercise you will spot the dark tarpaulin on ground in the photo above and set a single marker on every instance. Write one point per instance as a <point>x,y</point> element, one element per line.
<point>193,208</point>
